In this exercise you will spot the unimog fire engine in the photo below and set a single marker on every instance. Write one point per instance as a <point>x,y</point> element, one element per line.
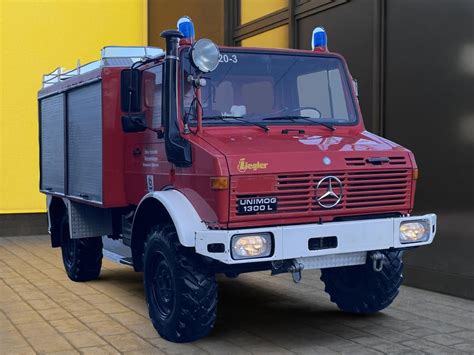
<point>206,160</point>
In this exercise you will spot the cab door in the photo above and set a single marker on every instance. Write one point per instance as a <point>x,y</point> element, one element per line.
<point>147,168</point>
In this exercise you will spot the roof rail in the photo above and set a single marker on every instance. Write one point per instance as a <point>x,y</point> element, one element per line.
<point>111,56</point>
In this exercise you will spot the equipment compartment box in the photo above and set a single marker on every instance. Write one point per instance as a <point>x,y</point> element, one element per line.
<point>75,133</point>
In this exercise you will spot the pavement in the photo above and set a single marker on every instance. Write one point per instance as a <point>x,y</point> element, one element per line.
<point>42,311</point>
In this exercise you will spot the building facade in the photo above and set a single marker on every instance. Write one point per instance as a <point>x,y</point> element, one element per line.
<point>414,61</point>
<point>37,37</point>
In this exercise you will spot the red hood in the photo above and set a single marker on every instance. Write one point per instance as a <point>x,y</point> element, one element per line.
<point>261,153</point>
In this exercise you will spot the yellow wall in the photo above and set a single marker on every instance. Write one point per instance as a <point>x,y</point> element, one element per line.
<point>35,37</point>
<point>253,9</point>
<point>275,38</point>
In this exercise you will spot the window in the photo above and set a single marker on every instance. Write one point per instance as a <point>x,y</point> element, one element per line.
<point>153,82</point>
<point>272,88</point>
<point>322,89</point>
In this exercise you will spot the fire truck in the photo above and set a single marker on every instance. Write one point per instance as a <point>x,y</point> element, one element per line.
<point>203,160</point>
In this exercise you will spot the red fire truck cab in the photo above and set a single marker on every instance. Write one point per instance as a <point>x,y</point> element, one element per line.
<point>204,160</point>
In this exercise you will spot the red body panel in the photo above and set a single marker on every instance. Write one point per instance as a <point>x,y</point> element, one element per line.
<point>257,163</point>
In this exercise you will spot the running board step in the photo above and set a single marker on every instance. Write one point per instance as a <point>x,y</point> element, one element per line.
<point>126,261</point>
<point>117,258</point>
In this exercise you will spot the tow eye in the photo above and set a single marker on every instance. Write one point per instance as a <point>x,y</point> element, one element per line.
<point>378,260</point>
<point>295,271</point>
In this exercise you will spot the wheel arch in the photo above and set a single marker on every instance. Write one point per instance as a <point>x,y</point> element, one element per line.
<point>164,207</point>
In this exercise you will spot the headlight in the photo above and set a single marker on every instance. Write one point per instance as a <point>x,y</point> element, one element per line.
<point>414,231</point>
<point>251,245</point>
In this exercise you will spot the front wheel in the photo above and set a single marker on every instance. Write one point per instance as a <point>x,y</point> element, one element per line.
<point>82,257</point>
<point>360,289</point>
<point>181,292</point>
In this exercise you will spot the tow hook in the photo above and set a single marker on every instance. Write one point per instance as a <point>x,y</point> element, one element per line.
<point>378,260</point>
<point>295,271</point>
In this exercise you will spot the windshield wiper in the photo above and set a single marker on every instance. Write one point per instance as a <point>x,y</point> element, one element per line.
<point>237,118</point>
<point>296,117</point>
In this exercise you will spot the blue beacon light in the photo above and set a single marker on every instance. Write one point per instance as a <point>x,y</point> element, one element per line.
<point>186,27</point>
<point>319,42</point>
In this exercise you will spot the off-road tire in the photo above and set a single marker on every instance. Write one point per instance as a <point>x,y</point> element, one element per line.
<point>181,291</point>
<point>360,289</point>
<point>82,257</point>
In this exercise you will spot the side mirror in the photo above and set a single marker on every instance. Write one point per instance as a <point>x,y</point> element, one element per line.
<point>205,55</point>
<point>134,123</point>
<point>130,90</point>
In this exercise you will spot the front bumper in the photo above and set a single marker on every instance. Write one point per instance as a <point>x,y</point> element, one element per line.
<point>354,240</point>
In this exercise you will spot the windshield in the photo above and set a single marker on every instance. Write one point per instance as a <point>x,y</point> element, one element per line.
<point>262,87</point>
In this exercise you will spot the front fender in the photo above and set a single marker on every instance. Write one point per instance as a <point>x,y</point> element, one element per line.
<point>182,213</point>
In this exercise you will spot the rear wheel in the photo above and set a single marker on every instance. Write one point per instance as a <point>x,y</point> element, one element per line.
<point>360,289</point>
<point>82,257</point>
<point>181,291</point>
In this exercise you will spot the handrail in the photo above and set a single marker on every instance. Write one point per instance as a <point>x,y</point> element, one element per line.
<point>110,56</point>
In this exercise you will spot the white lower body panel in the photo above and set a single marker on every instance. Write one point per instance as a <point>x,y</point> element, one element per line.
<point>354,239</point>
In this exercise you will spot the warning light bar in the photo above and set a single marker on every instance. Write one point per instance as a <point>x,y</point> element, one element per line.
<point>319,42</point>
<point>186,27</point>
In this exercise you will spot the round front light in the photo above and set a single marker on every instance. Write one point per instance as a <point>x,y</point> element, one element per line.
<point>205,55</point>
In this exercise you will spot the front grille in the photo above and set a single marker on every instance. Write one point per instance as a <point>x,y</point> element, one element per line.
<point>363,192</point>
<point>361,161</point>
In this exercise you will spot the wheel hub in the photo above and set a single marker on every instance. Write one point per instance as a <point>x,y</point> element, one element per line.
<point>163,293</point>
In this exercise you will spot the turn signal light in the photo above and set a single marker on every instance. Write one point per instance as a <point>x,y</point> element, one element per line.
<point>220,183</point>
<point>415,174</point>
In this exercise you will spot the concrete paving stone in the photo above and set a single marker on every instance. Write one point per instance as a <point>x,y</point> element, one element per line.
<point>95,316</point>
<point>128,318</point>
<point>16,280</point>
<point>466,335</point>
<point>49,343</point>
<point>24,350</point>
<point>34,329</point>
<point>63,352</point>
<point>65,298</point>
<point>14,307</point>
<point>127,342</point>
<point>84,338</point>
<point>419,332</point>
<point>108,327</point>
<point>467,347</point>
<point>68,325</point>
<point>388,334</point>
<point>144,330</point>
<point>78,306</point>
<point>11,340</point>
<point>43,304</point>
<point>6,326</point>
<point>444,339</point>
<point>54,314</point>
<point>213,345</point>
<point>25,317</point>
<point>99,350</point>
<point>176,349</point>
<point>96,298</point>
<point>430,347</point>
<point>112,307</point>
<point>148,351</point>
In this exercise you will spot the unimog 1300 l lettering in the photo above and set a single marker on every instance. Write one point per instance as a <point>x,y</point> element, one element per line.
<point>206,160</point>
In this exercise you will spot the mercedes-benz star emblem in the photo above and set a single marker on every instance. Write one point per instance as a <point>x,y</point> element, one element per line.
<point>333,194</point>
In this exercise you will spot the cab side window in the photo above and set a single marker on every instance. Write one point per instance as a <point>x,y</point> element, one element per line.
<point>153,81</point>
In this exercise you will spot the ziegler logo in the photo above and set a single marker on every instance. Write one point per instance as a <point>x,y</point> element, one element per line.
<point>243,166</point>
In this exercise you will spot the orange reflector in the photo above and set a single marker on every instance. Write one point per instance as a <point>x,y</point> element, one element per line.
<point>219,183</point>
<point>415,174</point>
